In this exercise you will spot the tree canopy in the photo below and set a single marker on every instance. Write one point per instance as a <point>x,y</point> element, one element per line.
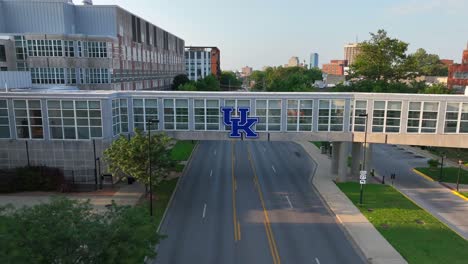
<point>229,79</point>
<point>429,64</point>
<point>290,79</point>
<point>67,231</point>
<point>383,58</point>
<point>209,83</point>
<point>179,80</point>
<point>130,156</point>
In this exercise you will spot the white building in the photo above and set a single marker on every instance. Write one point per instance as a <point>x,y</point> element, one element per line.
<point>197,63</point>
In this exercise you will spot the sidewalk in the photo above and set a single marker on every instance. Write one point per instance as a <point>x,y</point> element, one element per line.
<point>372,244</point>
<point>125,195</point>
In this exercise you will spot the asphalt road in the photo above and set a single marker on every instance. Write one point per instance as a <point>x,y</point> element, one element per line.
<point>250,202</point>
<point>431,196</point>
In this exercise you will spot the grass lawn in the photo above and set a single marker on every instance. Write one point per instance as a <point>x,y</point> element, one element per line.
<point>179,167</point>
<point>449,174</point>
<point>464,194</point>
<point>163,193</point>
<point>454,154</point>
<point>416,234</point>
<point>318,144</point>
<point>182,150</point>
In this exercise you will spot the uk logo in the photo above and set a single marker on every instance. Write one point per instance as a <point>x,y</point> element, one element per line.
<point>242,123</point>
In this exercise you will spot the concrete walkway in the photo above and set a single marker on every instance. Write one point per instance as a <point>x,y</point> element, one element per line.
<point>124,195</point>
<point>372,244</point>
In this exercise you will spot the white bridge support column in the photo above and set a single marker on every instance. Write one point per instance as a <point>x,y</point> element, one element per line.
<point>339,164</point>
<point>356,158</point>
<point>369,153</point>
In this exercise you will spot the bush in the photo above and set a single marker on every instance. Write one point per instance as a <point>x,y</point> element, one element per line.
<point>433,163</point>
<point>39,178</point>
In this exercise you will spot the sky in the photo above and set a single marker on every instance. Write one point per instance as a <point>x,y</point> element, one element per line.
<point>261,33</point>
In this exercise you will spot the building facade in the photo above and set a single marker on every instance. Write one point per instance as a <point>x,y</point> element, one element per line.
<point>335,67</point>
<point>314,61</point>
<point>92,47</point>
<point>293,62</point>
<point>201,62</point>
<point>246,71</point>
<point>351,50</point>
<point>458,74</point>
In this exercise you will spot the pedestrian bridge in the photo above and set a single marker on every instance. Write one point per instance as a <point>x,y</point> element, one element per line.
<point>412,119</point>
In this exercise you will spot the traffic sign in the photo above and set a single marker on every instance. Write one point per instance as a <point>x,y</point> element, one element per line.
<point>363,175</point>
<point>362,181</point>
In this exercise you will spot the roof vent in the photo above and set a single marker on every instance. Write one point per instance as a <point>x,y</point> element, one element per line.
<point>87,2</point>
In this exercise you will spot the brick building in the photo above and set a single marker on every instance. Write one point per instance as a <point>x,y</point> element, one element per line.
<point>458,74</point>
<point>335,67</point>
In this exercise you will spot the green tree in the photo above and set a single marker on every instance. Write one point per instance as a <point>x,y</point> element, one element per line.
<point>179,80</point>
<point>429,64</point>
<point>435,89</point>
<point>229,79</point>
<point>131,157</point>
<point>190,86</point>
<point>290,79</point>
<point>383,58</point>
<point>209,83</point>
<point>67,231</point>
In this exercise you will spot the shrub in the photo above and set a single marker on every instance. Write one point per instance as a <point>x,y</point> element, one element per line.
<point>39,178</point>
<point>433,163</point>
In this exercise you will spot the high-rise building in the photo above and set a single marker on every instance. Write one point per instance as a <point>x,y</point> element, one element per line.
<point>350,52</point>
<point>458,74</point>
<point>293,62</point>
<point>314,61</point>
<point>92,47</point>
<point>246,71</point>
<point>201,62</point>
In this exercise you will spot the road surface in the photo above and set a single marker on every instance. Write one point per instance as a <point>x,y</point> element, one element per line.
<point>250,202</point>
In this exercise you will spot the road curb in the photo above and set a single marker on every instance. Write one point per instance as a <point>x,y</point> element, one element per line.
<point>423,175</point>
<point>189,162</point>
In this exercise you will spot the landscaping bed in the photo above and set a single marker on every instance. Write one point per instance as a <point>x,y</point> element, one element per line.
<point>450,174</point>
<point>414,233</point>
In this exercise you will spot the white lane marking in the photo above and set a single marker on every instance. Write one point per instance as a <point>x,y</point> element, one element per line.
<point>273,167</point>
<point>204,211</point>
<point>215,152</point>
<point>211,173</point>
<point>289,202</point>
<point>317,260</point>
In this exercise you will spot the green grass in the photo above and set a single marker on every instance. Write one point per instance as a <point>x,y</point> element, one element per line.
<point>179,167</point>
<point>450,174</point>
<point>318,144</point>
<point>464,194</point>
<point>163,193</point>
<point>396,218</point>
<point>453,154</point>
<point>182,150</point>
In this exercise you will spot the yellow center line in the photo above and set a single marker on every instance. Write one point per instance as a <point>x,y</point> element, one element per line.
<point>269,231</point>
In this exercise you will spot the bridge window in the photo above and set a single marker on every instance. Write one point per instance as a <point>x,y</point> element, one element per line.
<point>4,120</point>
<point>422,117</point>
<point>119,116</point>
<point>176,114</point>
<point>70,119</point>
<point>358,123</point>
<point>451,118</point>
<point>300,115</point>
<point>387,116</point>
<point>464,119</point>
<point>28,118</point>
<point>331,114</point>
<point>207,115</point>
<point>269,114</point>
<point>236,104</point>
<point>144,110</point>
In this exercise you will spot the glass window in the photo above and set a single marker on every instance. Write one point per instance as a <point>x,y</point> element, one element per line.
<point>300,115</point>
<point>235,104</point>
<point>387,116</point>
<point>144,110</point>
<point>28,119</point>
<point>4,120</point>
<point>206,114</point>
<point>331,115</point>
<point>358,122</point>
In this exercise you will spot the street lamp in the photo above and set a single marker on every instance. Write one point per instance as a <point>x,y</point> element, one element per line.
<point>442,155</point>
<point>460,163</point>
<point>149,123</point>
<point>364,156</point>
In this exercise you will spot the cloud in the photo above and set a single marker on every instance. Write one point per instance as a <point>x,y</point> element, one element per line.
<point>413,7</point>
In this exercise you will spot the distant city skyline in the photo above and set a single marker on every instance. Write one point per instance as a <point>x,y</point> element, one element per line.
<point>267,33</point>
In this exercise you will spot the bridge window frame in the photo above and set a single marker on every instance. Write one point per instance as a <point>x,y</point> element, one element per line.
<point>331,110</point>
<point>460,117</point>
<point>178,114</point>
<point>419,118</point>
<point>294,108</point>
<point>32,119</point>
<point>206,117</point>
<point>382,116</point>
<point>143,111</point>
<point>4,120</point>
<point>355,119</point>
<point>235,103</point>
<point>269,115</point>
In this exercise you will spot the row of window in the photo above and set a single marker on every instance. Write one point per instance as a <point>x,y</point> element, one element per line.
<point>67,48</point>
<point>82,119</point>
<point>69,76</point>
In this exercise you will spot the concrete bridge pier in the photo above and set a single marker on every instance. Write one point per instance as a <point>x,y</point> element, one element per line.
<point>356,160</point>
<point>339,168</point>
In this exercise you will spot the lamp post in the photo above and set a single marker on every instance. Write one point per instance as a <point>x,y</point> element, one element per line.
<point>460,163</point>
<point>98,159</point>
<point>442,155</point>
<point>149,123</point>
<point>364,154</point>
